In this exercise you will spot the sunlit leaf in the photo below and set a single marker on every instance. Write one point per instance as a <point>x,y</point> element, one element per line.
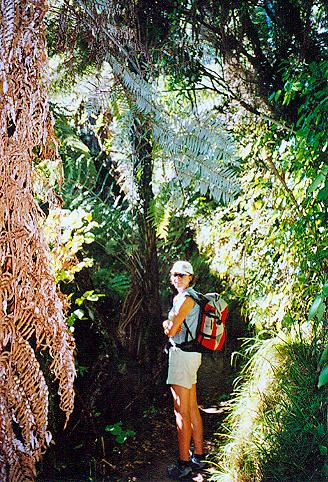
<point>325,289</point>
<point>323,377</point>
<point>79,314</point>
<point>315,307</point>
<point>316,183</point>
<point>324,356</point>
<point>323,194</point>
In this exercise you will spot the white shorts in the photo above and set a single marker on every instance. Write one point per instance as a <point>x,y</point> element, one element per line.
<point>183,367</point>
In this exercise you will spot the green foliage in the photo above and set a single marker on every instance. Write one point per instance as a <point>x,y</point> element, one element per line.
<point>318,313</point>
<point>309,83</point>
<point>67,232</point>
<point>270,248</point>
<point>270,244</point>
<point>191,144</point>
<point>254,247</point>
<point>95,191</point>
<point>159,215</point>
<point>78,314</point>
<point>109,280</point>
<point>121,434</point>
<point>323,377</point>
<point>277,426</point>
<point>89,296</point>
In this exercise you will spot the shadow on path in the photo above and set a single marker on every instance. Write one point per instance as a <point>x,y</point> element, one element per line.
<point>155,447</point>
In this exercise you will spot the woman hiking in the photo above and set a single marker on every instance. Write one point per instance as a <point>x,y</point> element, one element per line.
<point>182,372</point>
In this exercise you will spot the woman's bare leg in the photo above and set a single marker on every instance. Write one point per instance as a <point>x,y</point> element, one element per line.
<point>181,397</point>
<point>196,422</point>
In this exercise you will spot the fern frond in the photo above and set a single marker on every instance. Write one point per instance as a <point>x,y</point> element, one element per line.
<point>15,465</point>
<point>196,143</point>
<point>163,228</point>
<point>7,32</point>
<point>29,393</point>
<point>185,135</point>
<point>159,215</point>
<point>30,307</point>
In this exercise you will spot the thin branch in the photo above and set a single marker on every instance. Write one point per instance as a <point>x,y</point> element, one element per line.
<point>250,108</point>
<point>289,192</point>
<point>281,178</point>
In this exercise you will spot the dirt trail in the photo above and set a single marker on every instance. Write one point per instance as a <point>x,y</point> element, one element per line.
<point>156,448</point>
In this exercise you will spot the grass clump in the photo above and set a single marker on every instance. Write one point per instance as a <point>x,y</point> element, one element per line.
<point>277,427</point>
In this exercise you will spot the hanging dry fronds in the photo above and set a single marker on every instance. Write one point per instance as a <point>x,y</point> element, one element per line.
<point>31,313</point>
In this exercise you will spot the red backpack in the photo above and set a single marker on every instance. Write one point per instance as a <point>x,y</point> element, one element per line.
<point>211,328</point>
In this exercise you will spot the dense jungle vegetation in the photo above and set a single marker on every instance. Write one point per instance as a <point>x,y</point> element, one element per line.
<point>187,129</point>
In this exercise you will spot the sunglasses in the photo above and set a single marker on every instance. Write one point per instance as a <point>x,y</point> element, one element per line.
<point>178,275</point>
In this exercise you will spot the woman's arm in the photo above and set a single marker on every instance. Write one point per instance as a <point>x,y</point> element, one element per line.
<point>171,327</point>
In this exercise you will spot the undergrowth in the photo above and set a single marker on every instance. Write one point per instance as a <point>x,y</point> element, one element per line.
<point>277,429</point>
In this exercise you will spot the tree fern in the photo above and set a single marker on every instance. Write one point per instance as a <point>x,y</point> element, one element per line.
<point>196,142</point>
<point>31,313</point>
<point>178,171</point>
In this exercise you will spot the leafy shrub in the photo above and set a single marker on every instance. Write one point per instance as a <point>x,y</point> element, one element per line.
<point>277,427</point>
<point>67,232</point>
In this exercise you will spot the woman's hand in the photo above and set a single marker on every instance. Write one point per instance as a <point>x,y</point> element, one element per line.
<point>167,325</point>
<point>179,317</point>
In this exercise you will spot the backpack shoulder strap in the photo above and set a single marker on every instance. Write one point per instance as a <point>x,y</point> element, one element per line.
<point>197,296</point>
<point>201,300</point>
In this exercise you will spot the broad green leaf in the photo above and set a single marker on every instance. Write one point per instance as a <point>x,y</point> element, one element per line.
<point>89,238</point>
<point>115,429</point>
<point>325,289</point>
<point>77,145</point>
<point>246,150</point>
<point>272,96</point>
<point>120,439</point>
<point>88,293</point>
<point>314,308</point>
<point>79,314</point>
<point>324,356</point>
<point>323,377</point>
<point>316,183</point>
<point>94,297</point>
<point>321,310</point>
<point>277,95</point>
<point>323,194</point>
<point>321,430</point>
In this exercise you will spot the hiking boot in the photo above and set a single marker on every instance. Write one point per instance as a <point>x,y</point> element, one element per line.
<point>179,470</point>
<point>197,462</point>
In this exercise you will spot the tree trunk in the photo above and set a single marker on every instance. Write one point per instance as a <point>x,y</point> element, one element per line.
<point>143,172</point>
<point>141,313</point>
